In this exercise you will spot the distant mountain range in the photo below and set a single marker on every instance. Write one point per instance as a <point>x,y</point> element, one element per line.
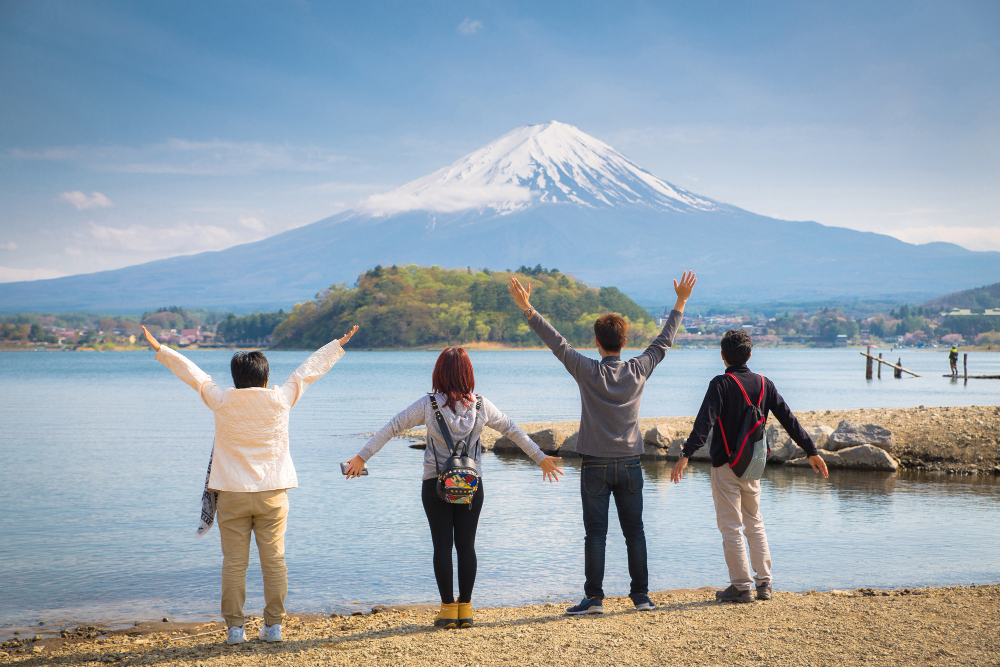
<point>542,194</point>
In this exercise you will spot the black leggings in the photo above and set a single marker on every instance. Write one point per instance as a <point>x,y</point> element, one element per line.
<point>453,526</point>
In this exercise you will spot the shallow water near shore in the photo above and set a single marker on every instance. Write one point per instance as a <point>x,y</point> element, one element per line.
<point>104,459</point>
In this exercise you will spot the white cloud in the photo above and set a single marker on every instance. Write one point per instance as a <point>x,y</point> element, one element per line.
<point>10,275</point>
<point>973,238</point>
<point>216,157</point>
<point>8,246</point>
<point>183,238</point>
<point>469,27</point>
<point>81,201</point>
<point>252,222</point>
<point>447,199</point>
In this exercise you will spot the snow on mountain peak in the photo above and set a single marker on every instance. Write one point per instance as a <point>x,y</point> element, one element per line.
<point>548,163</point>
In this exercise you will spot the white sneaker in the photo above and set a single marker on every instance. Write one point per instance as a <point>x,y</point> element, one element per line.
<point>236,635</point>
<point>270,633</point>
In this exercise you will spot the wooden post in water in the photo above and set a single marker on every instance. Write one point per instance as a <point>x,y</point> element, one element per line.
<point>879,365</point>
<point>898,371</point>
<point>965,366</point>
<point>868,364</point>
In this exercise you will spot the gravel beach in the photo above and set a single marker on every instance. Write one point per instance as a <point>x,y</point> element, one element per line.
<point>934,626</point>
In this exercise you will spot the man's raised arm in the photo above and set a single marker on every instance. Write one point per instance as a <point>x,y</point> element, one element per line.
<point>560,347</point>
<point>657,349</point>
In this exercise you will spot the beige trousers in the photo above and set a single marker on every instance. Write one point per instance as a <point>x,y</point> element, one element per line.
<point>264,513</point>
<point>737,506</point>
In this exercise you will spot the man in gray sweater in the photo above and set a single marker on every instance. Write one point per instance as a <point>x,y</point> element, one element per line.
<point>610,441</point>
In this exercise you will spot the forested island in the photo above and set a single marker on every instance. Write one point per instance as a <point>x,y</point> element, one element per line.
<point>414,306</point>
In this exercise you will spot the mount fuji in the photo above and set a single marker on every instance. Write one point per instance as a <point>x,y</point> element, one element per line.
<point>542,194</point>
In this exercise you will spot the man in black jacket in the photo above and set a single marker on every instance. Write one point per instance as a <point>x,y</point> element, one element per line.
<point>737,501</point>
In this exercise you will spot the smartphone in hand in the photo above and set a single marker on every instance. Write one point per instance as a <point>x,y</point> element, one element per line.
<point>346,465</point>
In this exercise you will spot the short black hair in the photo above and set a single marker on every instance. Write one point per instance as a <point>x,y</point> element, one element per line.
<point>249,369</point>
<point>611,331</point>
<point>736,346</point>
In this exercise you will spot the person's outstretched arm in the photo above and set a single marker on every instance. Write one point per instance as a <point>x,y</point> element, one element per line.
<point>654,354</point>
<point>500,422</point>
<point>791,424</point>
<point>707,416</point>
<point>409,418</point>
<point>188,371</point>
<point>313,368</point>
<point>570,358</point>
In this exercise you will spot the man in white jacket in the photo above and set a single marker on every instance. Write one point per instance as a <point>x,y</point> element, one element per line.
<point>251,470</point>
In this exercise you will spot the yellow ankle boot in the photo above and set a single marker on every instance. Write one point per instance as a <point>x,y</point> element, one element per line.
<point>465,614</point>
<point>448,616</point>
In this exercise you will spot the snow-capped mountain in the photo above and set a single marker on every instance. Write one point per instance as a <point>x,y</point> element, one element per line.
<point>551,163</point>
<point>542,194</point>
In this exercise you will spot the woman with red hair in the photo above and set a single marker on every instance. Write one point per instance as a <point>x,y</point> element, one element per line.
<point>453,525</point>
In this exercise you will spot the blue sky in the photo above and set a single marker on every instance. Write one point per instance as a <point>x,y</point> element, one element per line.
<point>131,131</point>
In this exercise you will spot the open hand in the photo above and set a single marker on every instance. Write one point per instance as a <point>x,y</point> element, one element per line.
<point>520,294</point>
<point>152,341</point>
<point>347,336</point>
<point>686,286</point>
<point>356,465</point>
<point>819,465</point>
<point>550,469</point>
<point>678,472</point>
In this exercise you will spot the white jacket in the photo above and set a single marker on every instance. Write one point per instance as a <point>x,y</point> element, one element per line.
<point>251,425</point>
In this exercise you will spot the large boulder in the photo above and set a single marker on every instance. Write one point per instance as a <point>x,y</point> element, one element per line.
<point>784,449</point>
<point>660,436</point>
<point>701,454</point>
<point>852,434</point>
<point>859,457</point>
<point>568,448</point>
<point>868,457</point>
<point>833,460</point>
<point>549,440</point>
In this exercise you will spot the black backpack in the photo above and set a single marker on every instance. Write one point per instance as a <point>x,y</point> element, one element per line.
<point>748,456</point>
<point>458,477</point>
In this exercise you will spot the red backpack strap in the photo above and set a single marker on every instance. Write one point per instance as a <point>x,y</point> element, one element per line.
<point>763,383</point>
<point>741,388</point>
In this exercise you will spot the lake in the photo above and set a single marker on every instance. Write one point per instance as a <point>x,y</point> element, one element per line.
<point>104,459</point>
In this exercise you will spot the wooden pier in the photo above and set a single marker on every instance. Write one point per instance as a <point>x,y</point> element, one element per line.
<point>898,369</point>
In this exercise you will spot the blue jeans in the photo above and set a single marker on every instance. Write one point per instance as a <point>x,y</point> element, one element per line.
<point>600,478</point>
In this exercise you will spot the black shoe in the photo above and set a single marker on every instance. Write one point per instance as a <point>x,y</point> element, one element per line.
<point>642,602</point>
<point>764,591</point>
<point>733,594</point>
<point>588,606</point>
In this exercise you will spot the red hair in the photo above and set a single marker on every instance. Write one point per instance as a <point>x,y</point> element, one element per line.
<point>453,376</point>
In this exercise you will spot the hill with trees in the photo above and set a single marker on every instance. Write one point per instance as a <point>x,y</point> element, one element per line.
<point>416,306</point>
<point>979,298</point>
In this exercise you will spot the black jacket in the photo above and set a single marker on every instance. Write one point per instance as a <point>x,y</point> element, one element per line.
<point>725,400</point>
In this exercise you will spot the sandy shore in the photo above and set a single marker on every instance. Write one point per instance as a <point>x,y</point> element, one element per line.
<point>964,440</point>
<point>934,626</point>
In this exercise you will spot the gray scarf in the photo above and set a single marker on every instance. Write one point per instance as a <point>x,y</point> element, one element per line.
<point>209,500</point>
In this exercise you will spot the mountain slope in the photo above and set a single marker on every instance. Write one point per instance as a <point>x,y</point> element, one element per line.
<point>546,194</point>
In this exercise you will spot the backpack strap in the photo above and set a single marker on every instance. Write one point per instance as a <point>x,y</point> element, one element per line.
<point>744,391</point>
<point>446,432</point>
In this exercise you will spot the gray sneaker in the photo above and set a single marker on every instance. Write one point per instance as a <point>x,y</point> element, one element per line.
<point>733,594</point>
<point>764,591</point>
<point>235,635</point>
<point>270,633</point>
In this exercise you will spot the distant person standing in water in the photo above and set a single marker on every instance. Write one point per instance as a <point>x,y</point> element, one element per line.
<point>252,470</point>
<point>610,441</point>
<point>953,359</point>
<point>452,412</point>
<point>737,500</point>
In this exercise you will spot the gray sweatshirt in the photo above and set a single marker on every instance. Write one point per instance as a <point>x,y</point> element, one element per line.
<point>610,389</point>
<point>460,421</point>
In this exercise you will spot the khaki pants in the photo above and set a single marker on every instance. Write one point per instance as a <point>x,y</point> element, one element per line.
<point>737,506</point>
<point>264,513</point>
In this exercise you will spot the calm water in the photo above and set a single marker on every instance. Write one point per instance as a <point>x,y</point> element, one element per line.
<point>103,462</point>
